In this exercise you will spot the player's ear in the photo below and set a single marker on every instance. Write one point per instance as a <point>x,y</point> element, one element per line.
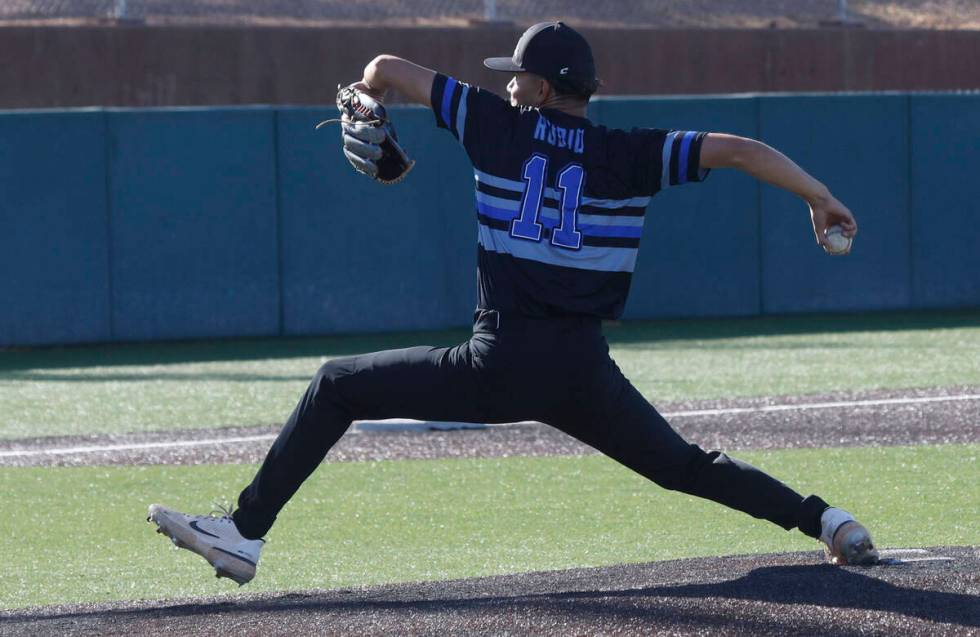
<point>545,91</point>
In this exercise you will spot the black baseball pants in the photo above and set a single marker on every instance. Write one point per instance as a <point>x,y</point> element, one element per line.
<point>556,371</point>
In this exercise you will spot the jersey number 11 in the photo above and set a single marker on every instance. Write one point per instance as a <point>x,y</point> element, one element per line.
<point>528,225</point>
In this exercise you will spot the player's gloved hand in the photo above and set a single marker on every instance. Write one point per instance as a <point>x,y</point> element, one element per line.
<point>362,145</point>
<point>370,142</point>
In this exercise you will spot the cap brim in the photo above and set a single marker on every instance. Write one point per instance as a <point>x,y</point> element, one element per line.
<point>502,64</point>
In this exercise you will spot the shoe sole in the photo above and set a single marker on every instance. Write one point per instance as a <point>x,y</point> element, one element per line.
<point>853,548</point>
<point>185,538</point>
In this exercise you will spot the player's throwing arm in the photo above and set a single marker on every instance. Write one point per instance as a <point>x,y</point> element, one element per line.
<point>833,224</point>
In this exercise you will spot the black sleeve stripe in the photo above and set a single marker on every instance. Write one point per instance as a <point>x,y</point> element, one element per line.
<point>675,159</point>
<point>435,97</point>
<point>610,242</point>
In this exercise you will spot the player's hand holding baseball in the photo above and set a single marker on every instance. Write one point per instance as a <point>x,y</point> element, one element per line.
<point>825,212</point>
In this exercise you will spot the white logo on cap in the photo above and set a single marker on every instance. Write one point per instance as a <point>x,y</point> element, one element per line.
<point>564,71</point>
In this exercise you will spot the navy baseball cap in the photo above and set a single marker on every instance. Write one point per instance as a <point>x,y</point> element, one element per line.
<point>556,52</point>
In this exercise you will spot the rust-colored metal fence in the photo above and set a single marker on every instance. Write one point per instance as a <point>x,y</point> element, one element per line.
<point>140,65</point>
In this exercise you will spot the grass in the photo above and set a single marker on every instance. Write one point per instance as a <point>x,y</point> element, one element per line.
<point>78,534</point>
<point>123,388</point>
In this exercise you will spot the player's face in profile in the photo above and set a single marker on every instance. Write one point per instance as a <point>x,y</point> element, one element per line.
<point>526,89</point>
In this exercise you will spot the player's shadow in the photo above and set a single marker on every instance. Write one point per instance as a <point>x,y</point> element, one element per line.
<point>806,585</point>
<point>829,586</point>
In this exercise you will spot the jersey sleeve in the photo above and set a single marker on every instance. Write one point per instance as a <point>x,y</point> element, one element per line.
<point>668,158</point>
<point>470,113</point>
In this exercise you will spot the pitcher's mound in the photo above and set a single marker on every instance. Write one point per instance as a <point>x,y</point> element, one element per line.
<point>933,591</point>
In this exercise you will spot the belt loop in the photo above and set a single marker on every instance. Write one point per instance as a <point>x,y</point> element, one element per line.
<point>498,320</point>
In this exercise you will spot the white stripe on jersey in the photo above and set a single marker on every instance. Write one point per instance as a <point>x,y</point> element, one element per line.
<point>551,193</point>
<point>461,112</point>
<point>665,169</point>
<point>635,202</point>
<point>602,259</point>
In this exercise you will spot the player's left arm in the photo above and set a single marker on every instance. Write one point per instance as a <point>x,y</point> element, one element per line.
<point>768,164</point>
<point>387,72</point>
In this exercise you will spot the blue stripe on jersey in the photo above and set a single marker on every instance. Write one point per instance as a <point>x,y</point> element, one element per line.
<point>682,162</point>
<point>606,220</point>
<point>590,225</point>
<point>629,215</point>
<point>603,259</point>
<point>447,100</point>
<point>551,193</point>
<point>590,230</point>
<point>461,113</point>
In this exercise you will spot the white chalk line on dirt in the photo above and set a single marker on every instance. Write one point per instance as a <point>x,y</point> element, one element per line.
<point>416,425</point>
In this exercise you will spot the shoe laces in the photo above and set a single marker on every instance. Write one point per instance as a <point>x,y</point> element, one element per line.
<point>222,512</point>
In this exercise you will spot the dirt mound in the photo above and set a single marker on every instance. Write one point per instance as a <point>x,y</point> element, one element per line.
<point>916,592</point>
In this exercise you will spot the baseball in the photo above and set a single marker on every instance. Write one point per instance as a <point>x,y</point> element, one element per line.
<point>839,244</point>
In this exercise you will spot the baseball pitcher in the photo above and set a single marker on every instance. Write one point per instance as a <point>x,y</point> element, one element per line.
<point>560,205</point>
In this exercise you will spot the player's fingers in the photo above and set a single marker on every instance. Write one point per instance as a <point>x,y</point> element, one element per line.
<point>363,86</point>
<point>840,215</point>
<point>361,164</point>
<point>364,132</point>
<point>361,149</point>
<point>850,227</point>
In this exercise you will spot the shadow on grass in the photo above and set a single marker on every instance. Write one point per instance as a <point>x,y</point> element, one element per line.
<point>252,349</point>
<point>709,329</point>
<point>624,333</point>
<point>667,607</point>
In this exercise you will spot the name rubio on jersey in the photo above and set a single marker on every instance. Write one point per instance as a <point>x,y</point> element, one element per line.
<point>559,136</point>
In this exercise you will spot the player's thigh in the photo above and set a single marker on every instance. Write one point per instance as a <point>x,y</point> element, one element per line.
<point>425,383</point>
<point>618,421</point>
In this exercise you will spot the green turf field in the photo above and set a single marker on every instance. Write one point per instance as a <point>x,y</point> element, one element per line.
<point>78,534</point>
<point>109,389</point>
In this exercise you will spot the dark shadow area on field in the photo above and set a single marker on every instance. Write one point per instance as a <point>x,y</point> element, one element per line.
<point>228,350</point>
<point>709,329</point>
<point>821,586</point>
<point>250,349</point>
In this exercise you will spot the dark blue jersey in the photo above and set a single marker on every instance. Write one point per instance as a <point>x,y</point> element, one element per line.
<point>560,202</point>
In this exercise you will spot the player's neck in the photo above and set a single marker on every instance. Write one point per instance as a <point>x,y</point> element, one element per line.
<point>569,106</point>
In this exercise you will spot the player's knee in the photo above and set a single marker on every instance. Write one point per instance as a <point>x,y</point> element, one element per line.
<point>683,472</point>
<point>324,384</point>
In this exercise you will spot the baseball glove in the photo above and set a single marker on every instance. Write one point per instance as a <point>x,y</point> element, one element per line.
<point>369,138</point>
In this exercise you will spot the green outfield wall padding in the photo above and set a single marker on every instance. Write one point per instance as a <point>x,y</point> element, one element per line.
<point>699,255</point>
<point>945,200</point>
<point>153,224</point>
<point>858,146</point>
<point>194,223</point>
<point>54,253</point>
